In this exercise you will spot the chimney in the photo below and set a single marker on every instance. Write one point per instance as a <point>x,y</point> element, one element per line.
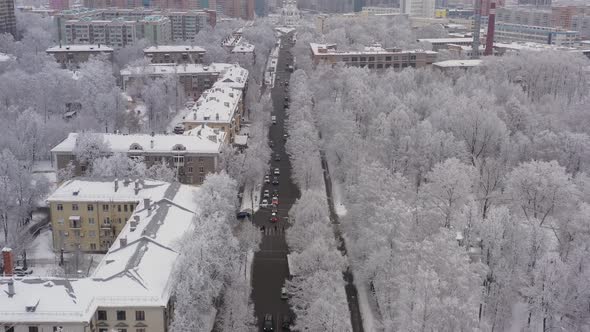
<point>7,259</point>
<point>136,218</point>
<point>123,242</point>
<point>11,291</point>
<point>116,185</point>
<point>146,203</point>
<point>136,187</point>
<point>491,30</point>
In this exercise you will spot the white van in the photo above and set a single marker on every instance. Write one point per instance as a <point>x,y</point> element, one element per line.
<point>274,119</point>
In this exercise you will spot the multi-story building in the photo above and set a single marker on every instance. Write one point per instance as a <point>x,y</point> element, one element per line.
<point>219,107</point>
<point>561,16</point>
<point>73,55</point>
<point>418,8</point>
<point>290,15</point>
<point>115,33</point>
<point>581,23</point>
<point>194,78</point>
<point>243,9</point>
<point>524,15</point>
<point>537,3</point>
<point>506,32</point>
<point>59,4</point>
<point>442,43</point>
<point>130,290</point>
<point>380,11</point>
<point>89,214</point>
<point>375,57</point>
<point>174,54</point>
<point>7,17</point>
<point>155,25</point>
<point>193,156</point>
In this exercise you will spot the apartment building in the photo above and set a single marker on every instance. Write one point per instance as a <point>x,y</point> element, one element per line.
<point>155,28</point>
<point>194,78</point>
<point>375,57</point>
<point>243,9</point>
<point>581,23</point>
<point>73,55</point>
<point>89,214</point>
<point>418,8</point>
<point>186,25</point>
<point>178,54</point>
<point>131,288</point>
<point>524,15</point>
<point>506,32</point>
<point>219,107</point>
<point>7,17</point>
<point>192,156</point>
<point>116,33</point>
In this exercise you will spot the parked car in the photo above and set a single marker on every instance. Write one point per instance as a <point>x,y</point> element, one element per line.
<point>266,179</point>
<point>244,214</point>
<point>179,129</point>
<point>284,295</point>
<point>21,271</point>
<point>275,193</point>
<point>274,119</point>
<point>287,321</point>
<point>285,137</point>
<point>268,324</point>
<point>277,171</point>
<point>275,180</point>
<point>266,193</point>
<point>277,157</point>
<point>274,218</point>
<point>264,202</point>
<point>271,143</point>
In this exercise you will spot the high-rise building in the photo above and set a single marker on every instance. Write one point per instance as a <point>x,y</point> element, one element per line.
<point>7,17</point>
<point>243,9</point>
<point>59,4</point>
<point>485,6</point>
<point>418,8</point>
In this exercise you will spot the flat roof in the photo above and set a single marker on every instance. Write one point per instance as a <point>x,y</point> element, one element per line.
<point>458,63</point>
<point>173,49</point>
<point>331,50</point>
<point>79,48</point>
<point>103,190</point>
<point>445,40</point>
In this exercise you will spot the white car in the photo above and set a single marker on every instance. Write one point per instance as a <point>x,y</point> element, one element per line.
<point>267,179</point>
<point>266,194</point>
<point>264,202</point>
<point>284,294</point>
<point>277,172</point>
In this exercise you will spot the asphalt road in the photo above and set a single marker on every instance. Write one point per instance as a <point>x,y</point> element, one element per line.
<point>270,263</point>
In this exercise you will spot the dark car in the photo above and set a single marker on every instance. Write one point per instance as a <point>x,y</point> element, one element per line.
<point>277,157</point>
<point>287,321</point>
<point>275,180</point>
<point>244,214</point>
<point>268,324</point>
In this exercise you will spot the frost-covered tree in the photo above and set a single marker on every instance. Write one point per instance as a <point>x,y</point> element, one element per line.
<point>89,147</point>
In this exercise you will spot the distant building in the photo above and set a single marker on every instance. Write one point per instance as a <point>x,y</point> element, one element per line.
<point>418,8</point>
<point>155,28</point>
<point>193,156</point>
<point>73,55</point>
<point>581,23</point>
<point>59,4</point>
<point>380,10</point>
<point>179,54</point>
<point>538,3</point>
<point>290,15</point>
<point>442,43</point>
<point>243,9</point>
<point>456,64</point>
<point>7,17</point>
<point>115,33</point>
<point>506,32</point>
<point>375,57</point>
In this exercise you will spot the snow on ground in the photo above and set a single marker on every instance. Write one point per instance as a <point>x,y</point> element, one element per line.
<point>251,198</point>
<point>519,317</point>
<point>177,118</point>
<point>338,198</point>
<point>41,248</point>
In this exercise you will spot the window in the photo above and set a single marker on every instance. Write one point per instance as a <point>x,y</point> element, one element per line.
<point>91,233</point>
<point>121,330</point>
<point>102,315</point>
<point>93,246</point>
<point>33,329</point>
<point>105,207</point>
<point>90,207</point>
<point>139,315</point>
<point>190,169</point>
<point>140,330</point>
<point>91,221</point>
<point>60,207</point>
<point>121,315</point>
<point>125,207</point>
<point>201,169</point>
<point>9,329</point>
<point>371,58</point>
<point>354,58</point>
<point>74,207</point>
<point>59,329</point>
<point>60,221</point>
<point>119,208</point>
<point>103,330</point>
<point>363,58</point>
<point>387,58</point>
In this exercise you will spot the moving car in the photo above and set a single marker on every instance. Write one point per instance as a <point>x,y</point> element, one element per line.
<point>274,218</point>
<point>284,295</point>
<point>277,172</point>
<point>275,180</point>
<point>275,201</point>
<point>244,214</point>
<point>268,324</point>
<point>179,129</point>
<point>285,137</point>
<point>266,193</point>
<point>277,157</point>
<point>274,119</point>
<point>275,193</point>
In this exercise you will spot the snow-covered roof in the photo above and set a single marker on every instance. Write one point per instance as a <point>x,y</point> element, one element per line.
<point>173,49</point>
<point>217,105</point>
<point>92,190</point>
<point>243,48</point>
<point>330,49</point>
<point>530,46</point>
<point>209,142</point>
<point>79,48</point>
<point>5,57</point>
<point>132,274</point>
<point>445,40</point>
<point>458,63</point>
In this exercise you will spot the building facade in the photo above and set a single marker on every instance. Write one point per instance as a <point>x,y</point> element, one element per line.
<point>442,43</point>
<point>73,55</point>
<point>418,8</point>
<point>155,28</point>
<point>374,57</point>
<point>506,32</point>
<point>7,17</point>
<point>193,157</point>
<point>115,33</point>
<point>178,54</point>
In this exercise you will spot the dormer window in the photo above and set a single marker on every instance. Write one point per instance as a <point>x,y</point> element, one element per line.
<point>135,147</point>
<point>179,147</point>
